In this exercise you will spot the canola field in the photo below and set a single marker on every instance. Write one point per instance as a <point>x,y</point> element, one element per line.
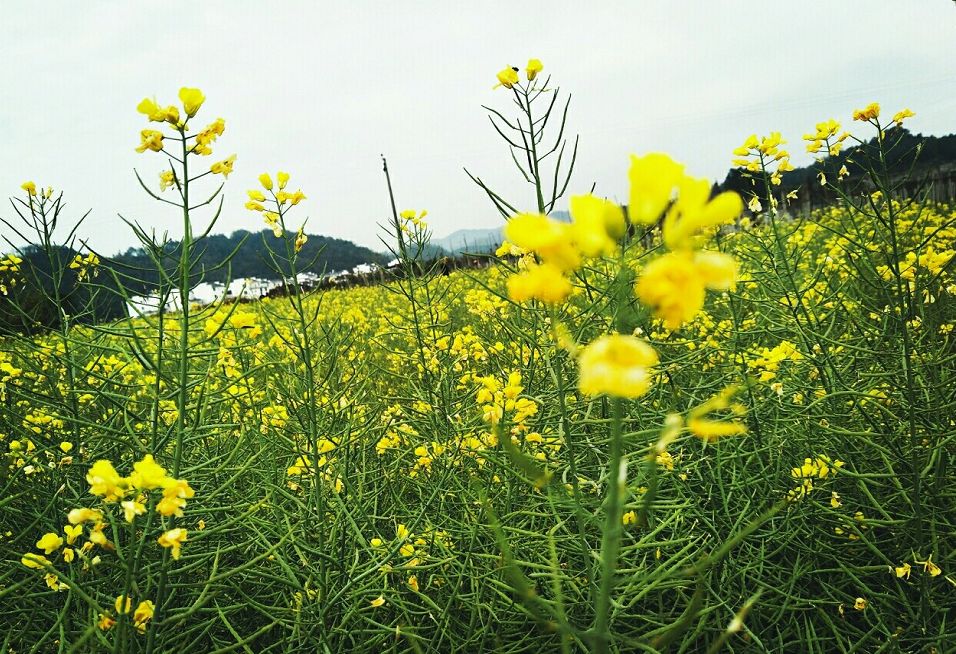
<point>677,426</point>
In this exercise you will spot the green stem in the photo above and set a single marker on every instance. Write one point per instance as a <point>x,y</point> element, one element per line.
<point>611,539</point>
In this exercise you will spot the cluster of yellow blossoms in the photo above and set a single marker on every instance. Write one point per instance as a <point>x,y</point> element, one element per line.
<point>818,467</point>
<point>85,267</point>
<point>151,139</point>
<point>280,197</point>
<point>757,154</point>
<point>508,77</point>
<point>132,494</point>
<point>9,267</point>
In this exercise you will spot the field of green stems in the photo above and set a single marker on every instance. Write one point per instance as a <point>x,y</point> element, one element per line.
<point>696,423</point>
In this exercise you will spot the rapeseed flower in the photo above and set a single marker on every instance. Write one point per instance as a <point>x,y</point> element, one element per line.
<point>616,365</point>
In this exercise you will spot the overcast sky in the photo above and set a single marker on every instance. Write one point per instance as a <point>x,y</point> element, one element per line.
<point>322,90</point>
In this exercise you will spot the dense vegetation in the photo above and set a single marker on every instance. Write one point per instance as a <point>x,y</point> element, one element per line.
<point>670,428</point>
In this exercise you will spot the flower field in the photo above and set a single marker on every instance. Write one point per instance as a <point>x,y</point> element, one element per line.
<point>681,426</point>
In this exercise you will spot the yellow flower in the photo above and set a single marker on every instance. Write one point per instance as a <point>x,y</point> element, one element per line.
<point>413,583</point>
<point>166,179</point>
<point>66,446</point>
<point>173,539</point>
<point>157,113</point>
<point>616,365</point>
<point>34,561</point>
<point>900,116</point>
<point>376,542</point>
<point>300,239</point>
<point>223,167</point>
<point>192,99</point>
<point>674,285</point>
<point>68,554</point>
<point>507,77</point>
<point>377,602</point>
<point>147,474</point>
<point>929,567</point>
<point>870,112</point>
<point>175,494</point>
<point>598,224</point>
<point>143,614</point>
<point>543,282</point>
<point>151,140</point>
<point>653,179</point>
<point>534,67</point>
<point>694,211</point>
<point>30,188</point>
<point>551,240</point>
<point>105,482</point>
<point>629,518</point>
<point>283,179</point>
<point>860,604</point>
<point>122,606</point>
<point>266,181</point>
<point>903,571</point>
<point>79,516</point>
<point>50,542</point>
<point>105,622</point>
<point>255,195</point>
<point>132,508</point>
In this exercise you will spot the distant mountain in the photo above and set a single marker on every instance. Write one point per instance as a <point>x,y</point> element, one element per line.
<point>138,274</point>
<point>319,254</point>
<point>471,240</point>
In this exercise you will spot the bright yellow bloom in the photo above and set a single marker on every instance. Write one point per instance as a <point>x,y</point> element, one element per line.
<point>598,224</point>
<point>674,285</point>
<point>192,99</point>
<point>132,508</point>
<point>413,583</point>
<point>900,116</point>
<point>377,602</point>
<point>534,67</point>
<point>143,614</point>
<point>616,365</point>
<point>157,113</point>
<point>653,179</point>
<point>122,606</point>
<point>30,188</point>
<point>147,474</point>
<point>694,212</point>
<point>223,167</point>
<point>860,604</point>
<point>543,282</point>
<point>904,571</point>
<point>256,195</point>
<point>72,532</point>
<point>300,240</point>
<point>507,77</point>
<point>50,542</point>
<point>105,622</point>
<point>79,516</point>
<point>550,239</point>
<point>105,481</point>
<point>870,112</point>
<point>175,494</point>
<point>151,140</point>
<point>166,179</point>
<point>34,561</point>
<point>929,567</point>
<point>173,539</point>
<point>266,181</point>
<point>283,179</point>
<point>629,518</point>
